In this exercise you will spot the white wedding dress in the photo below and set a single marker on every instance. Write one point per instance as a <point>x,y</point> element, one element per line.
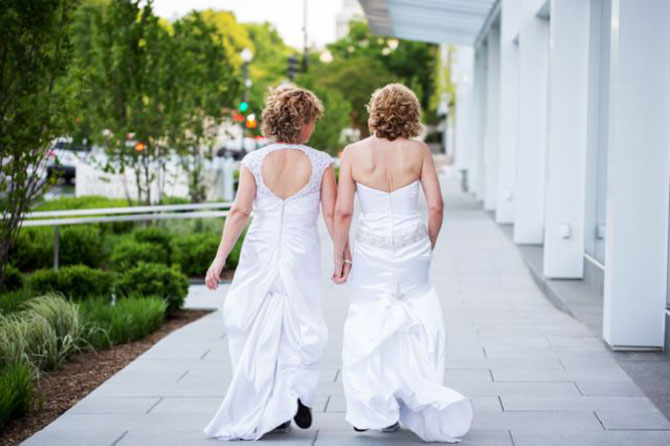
<point>394,337</point>
<point>272,313</point>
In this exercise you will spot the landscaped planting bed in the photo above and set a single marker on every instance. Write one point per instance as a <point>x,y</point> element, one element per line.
<point>118,290</point>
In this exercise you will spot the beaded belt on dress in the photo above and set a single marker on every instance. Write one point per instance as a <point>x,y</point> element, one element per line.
<point>394,242</point>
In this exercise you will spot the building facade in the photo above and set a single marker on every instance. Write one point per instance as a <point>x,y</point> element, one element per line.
<point>563,131</point>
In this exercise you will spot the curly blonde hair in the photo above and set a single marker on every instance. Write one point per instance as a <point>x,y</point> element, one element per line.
<point>287,108</point>
<point>394,112</point>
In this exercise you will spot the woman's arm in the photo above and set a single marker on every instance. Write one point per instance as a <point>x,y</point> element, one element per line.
<point>344,211</point>
<point>328,197</point>
<point>431,189</point>
<point>238,215</point>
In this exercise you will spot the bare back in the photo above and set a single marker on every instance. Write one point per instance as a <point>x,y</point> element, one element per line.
<point>286,171</point>
<point>387,165</point>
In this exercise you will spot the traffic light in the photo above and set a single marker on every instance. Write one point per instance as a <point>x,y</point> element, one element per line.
<point>251,121</point>
<point>292,66</point>
<point>244,106</point>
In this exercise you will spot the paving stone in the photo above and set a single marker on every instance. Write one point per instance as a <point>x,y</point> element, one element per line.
<point>602,375</point>
<point>575,403</point>
<point>537,421</point>
<point>583,438</point>
<point>599,388</point>
<point>633,419</point>
<point>114,405</point>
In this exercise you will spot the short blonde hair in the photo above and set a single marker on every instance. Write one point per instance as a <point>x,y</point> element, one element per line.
<point>394,112</point>
<point>286,109</point>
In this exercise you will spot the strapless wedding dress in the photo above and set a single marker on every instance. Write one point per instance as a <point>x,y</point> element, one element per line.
<point>394,337</point>
<point>272,314</point>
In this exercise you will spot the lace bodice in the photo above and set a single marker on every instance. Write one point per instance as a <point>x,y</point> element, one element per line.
<point>319,160</point>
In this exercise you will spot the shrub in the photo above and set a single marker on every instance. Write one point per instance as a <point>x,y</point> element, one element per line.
<point>27,337</point>
<point>81,244</point>
<point>129,253</point>
<point>11,301</point>
<point>63,316</point>
<point>234,257</point>
<point>129,319</point>
<point>194,252</point>
<point>33,249</point>
<point>154,279</point>
<point>76,281</point>
<point>156,236</point>
<point>43,280</point>
<point>13,278</point>
<point>43,334</point>
<point>16,391</point>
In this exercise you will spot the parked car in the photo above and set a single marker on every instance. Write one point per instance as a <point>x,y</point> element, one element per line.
<point>233,148</point>
<point>64,157</point>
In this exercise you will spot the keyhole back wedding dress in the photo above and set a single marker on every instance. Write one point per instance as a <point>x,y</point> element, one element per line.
<point>394,337</point>
<point>272,314</point>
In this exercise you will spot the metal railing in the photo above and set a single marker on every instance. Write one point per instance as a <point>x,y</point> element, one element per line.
<point>133,213</point>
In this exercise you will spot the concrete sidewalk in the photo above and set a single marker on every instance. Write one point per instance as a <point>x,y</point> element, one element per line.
<point>536,375</point>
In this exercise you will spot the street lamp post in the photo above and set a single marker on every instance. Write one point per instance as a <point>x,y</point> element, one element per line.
<point>246,56</point>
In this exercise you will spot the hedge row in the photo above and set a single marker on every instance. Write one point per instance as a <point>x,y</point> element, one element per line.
<point>144,279</point>
<point>86,245</point>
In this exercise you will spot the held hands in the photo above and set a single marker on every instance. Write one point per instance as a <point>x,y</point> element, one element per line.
<point>341,271</point>
<point>214,273</point>
<point>342,267</point>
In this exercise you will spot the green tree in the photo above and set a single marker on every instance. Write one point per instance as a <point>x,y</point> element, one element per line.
<point>336,117</point>
<point>355,79</point>
<point>412,63</point>
<point>199,81</point>
<point>35,104</point>
<point>155,90</point>
<point>119,47</point>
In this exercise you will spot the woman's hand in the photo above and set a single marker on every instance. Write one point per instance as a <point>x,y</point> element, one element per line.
<point>342,270</point>
<point>214,273</point>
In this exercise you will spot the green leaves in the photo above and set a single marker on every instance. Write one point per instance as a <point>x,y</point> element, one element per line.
<point>35,105</point>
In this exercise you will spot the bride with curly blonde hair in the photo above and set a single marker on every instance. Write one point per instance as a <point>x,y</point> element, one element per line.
<point>394,346</point>
<point>272,313</point>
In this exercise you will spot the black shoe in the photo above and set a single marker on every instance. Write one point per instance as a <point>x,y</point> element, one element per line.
<point>359,430</point>
<point>392,428</point>
<point>283,428</point>
<point>303,417</point>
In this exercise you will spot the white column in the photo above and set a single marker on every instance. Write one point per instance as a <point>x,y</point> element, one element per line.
<point>530,156</point>
<point>462,75</point>
<point>638,175</point>
<point>476,170</point>
<point>510,13</point>
<point>491,137</point>
<point>567,138</point>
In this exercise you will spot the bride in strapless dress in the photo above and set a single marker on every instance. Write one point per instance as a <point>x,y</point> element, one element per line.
<point>394,337</point>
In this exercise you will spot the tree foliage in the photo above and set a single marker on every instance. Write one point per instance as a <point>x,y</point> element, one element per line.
<point>152,86</point>
<point>36,105</point>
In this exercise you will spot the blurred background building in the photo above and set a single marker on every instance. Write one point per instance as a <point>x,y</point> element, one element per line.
<point>351,10</point>
<point>562,131</point>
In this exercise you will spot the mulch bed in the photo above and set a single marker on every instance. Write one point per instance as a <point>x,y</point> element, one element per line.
<point>60,389</point>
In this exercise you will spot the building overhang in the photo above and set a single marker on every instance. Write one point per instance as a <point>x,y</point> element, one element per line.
<point>460,22</point>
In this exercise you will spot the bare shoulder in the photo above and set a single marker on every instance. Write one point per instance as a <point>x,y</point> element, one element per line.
<point>355,149</point>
